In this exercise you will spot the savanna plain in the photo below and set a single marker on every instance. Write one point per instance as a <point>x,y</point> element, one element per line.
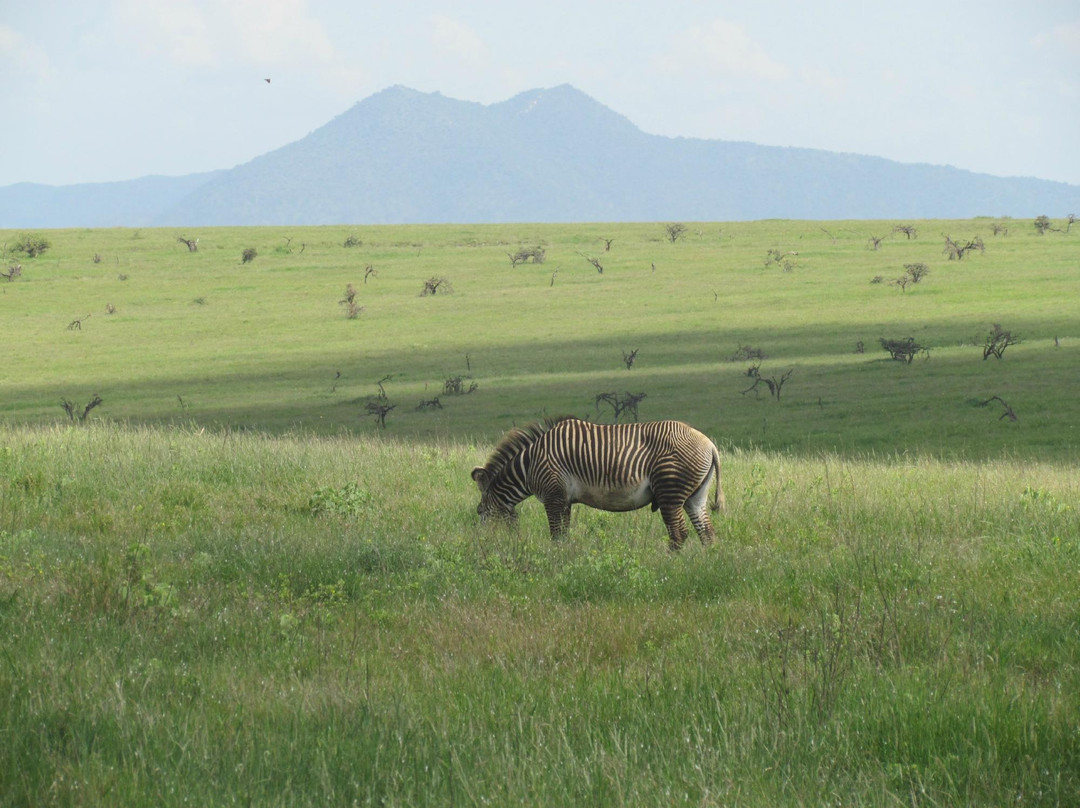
<point>240,561</point>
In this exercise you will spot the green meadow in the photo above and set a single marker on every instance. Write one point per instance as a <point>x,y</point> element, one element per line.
<point>229,583</point>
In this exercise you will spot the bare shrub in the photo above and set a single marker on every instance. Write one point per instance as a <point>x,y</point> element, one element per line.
<point>352,306</point>
<point>73,411</point>
<point>785,260</point>
<point>997,341</point>
<point>956,251</point>
<point>629,358</point>
<point>775,384</point>
<point>620,403</point>
<point>436,285</point>
<point>459,386</point>
<point>1009,412</point>
<point>594,261</point>
<point>192,243</point>
<point>674,231</point>
<point>248,255</point>
<point>746,353</point>
<point>524,255</point>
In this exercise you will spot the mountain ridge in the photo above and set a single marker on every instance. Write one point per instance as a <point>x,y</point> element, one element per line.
<point>554,154</point>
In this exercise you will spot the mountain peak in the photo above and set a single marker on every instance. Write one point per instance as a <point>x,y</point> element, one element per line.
<point>548,154</point>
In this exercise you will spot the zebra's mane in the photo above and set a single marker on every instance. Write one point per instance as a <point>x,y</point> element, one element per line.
<point>516,441</point>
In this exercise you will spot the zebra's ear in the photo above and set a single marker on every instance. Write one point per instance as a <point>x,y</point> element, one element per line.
<point>480,474</point>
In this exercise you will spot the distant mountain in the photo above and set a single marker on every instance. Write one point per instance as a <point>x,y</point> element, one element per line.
<point>401,156</point>
<point>133,203</point>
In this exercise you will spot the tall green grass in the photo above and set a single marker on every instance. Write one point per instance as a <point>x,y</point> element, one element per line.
<point>201,617</point>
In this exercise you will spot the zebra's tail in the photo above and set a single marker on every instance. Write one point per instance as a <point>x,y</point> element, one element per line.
<point>718,502</point>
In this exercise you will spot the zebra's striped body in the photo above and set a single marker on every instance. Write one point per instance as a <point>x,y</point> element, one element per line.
<point>613,467</point>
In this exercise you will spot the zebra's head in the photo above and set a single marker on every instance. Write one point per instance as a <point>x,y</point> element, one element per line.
<point>492,504</point>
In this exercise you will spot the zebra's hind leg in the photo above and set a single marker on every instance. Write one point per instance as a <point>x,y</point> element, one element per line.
<point>697,509</point>
<point>675,524</point>
<point>703,525</point>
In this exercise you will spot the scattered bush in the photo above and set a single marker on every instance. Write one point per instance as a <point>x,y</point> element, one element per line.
<point>31,244</point>
<point>248,255</point>
<point>433,286</point>
<point>903,350</point>
<point>526,254</point>
<point>997,341</point>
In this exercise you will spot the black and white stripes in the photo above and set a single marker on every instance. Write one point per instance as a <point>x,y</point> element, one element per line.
<point>614,467</point>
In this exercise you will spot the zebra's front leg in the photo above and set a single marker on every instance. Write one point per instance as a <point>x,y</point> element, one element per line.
<point>558,515</point>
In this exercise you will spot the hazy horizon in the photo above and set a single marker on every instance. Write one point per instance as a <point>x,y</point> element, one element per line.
<point>121,89</point>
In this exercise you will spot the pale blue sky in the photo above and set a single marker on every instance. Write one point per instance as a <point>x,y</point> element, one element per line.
<point>98,90</point>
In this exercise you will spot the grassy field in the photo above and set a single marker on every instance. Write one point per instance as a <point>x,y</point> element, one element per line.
<point>203,338</point>
<point>231,586</point>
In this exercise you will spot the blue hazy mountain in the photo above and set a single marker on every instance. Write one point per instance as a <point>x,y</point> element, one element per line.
<point>550,155</point>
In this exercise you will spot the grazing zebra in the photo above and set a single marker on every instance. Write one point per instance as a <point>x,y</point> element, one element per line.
<point>613,467</point>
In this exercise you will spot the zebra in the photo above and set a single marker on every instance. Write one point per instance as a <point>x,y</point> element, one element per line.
<point>613,467</point>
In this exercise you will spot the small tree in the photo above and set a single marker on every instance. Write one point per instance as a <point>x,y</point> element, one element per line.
<point>73,411</point>
<point>746,353</point>
<point>626,402</point>
<point>913,273</point>
<point>352,306</point>
<point>435,285</point>
<point>594,261</point>
<point>628,358</point>
<point>379,408</point>
<point>352,241</point>
<point>13,271</point>
<point>785,260</point>
<point>874,242</point>
<point>956,251</point>
<point>1009,413</point>
<point>524,255</point>
<point>907,229</point>
<point>997,341</point>
<point>774,384</point>
<point>1042,224</point>
<point>31,244</point>
<point>459,386</point>
<point>192,243</point>
<point>248,255</point>
<point>903,350</point>
<point>674,231</point>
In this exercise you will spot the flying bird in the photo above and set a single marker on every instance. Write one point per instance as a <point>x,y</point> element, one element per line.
<point>267,80</point>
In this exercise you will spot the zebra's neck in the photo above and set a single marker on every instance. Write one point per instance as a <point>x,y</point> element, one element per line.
<point>512,482</point>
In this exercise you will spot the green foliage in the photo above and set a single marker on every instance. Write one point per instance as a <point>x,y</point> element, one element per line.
<point>348,500</point>
<point>30,244</point>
